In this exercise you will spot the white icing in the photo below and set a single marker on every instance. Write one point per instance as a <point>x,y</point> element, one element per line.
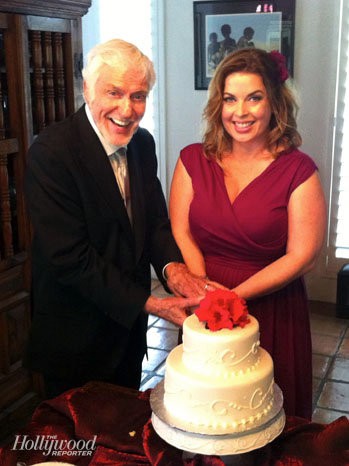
<point>219,379</point>
<point>224,352</point>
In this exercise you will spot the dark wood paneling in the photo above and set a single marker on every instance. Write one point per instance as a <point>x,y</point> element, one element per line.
<point>40,83</point>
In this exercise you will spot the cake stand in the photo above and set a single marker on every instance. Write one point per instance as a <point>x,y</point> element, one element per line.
<point>206,441</point>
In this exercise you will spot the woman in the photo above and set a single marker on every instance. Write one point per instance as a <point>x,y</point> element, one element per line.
<point>248,211</point>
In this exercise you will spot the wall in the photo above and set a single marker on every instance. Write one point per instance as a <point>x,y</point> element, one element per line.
<point>314,79</point>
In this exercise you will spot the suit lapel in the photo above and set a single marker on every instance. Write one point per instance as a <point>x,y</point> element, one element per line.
<point>137,195</point>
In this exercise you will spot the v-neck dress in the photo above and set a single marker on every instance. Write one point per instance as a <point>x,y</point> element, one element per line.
<point>240,238</point>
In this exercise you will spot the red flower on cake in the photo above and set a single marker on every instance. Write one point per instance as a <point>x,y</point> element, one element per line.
<point>222,309</point>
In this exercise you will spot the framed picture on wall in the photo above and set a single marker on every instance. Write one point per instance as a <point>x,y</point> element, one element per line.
<point>220,27</point>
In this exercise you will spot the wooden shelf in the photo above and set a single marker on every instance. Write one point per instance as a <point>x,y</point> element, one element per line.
<point>49,8</point>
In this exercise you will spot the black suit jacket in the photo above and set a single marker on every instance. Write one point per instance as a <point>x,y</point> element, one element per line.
<point>91,268</point>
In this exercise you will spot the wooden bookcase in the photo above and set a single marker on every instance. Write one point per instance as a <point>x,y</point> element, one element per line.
<point>40,83</point>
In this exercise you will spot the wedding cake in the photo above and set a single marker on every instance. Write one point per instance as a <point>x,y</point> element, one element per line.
<point>219,381</point>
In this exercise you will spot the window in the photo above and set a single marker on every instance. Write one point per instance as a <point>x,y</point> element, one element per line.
<point>338,238</point>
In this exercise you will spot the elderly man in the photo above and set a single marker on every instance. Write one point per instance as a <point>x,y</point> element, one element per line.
<point>100,220</point>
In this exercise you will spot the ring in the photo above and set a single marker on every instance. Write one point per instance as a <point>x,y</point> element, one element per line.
<point>206,286</point>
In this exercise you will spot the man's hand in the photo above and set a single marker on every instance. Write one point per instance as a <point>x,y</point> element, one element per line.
<point>183,283</point>
<point>174,309</point>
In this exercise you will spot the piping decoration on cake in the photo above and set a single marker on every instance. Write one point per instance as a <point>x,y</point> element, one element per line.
<point>222,309</point>
<point>258,397</point>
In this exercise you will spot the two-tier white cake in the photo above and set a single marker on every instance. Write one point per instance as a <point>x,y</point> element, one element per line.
<point>218,395</point>
<point>219,380</point>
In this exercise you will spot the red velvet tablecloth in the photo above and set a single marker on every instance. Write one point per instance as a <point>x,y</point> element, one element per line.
<point>101,424</point>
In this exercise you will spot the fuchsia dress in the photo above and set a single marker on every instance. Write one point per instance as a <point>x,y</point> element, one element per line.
<point>238,239</point>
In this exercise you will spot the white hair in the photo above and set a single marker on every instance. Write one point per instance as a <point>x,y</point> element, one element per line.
<point>114,53</point>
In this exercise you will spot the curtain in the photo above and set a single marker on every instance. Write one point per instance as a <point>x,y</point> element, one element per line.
<point>338,237</point>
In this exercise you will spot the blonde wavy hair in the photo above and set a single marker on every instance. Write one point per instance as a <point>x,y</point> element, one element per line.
<point>283,132</point>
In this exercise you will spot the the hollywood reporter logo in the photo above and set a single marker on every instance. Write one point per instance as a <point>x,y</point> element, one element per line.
<point>51,445</point>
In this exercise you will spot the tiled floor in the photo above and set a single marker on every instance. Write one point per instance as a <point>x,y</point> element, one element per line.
<point>330,337</point>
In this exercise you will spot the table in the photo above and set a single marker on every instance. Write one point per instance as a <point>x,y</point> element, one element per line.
<point>102,424</point>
